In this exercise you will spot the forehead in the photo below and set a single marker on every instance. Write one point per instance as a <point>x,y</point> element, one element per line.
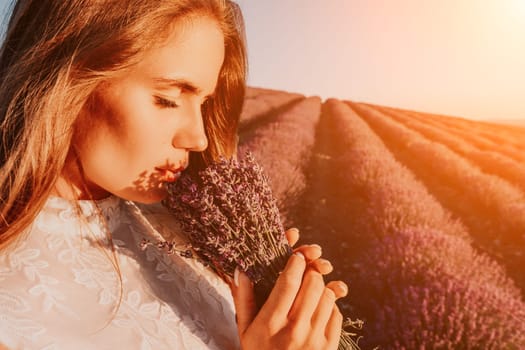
<point>193,51</point>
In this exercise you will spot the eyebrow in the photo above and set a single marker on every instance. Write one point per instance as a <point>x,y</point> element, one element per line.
<point>182,84</point>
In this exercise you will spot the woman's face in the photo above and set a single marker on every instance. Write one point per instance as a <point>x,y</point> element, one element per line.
<point>140,128</point>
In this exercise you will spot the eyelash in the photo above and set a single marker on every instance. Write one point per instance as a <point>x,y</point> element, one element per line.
<point>165,103</point>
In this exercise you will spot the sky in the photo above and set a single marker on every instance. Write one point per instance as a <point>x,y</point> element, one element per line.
<point>456,57</point>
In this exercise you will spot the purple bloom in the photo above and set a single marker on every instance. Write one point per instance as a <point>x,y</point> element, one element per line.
<point>231,218</point>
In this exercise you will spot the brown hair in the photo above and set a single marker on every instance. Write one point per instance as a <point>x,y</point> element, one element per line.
<point>53,57</point>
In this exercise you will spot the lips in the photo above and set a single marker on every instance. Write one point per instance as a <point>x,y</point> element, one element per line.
<point>170,174</point>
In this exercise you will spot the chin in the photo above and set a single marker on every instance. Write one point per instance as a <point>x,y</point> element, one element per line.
<point>151,196</point>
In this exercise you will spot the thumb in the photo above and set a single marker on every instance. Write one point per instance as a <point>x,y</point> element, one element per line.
<point>244,300</point>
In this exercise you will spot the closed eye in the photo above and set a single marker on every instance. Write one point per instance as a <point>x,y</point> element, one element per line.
<point>165,103</point>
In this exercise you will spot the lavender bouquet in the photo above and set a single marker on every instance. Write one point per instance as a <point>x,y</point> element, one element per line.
<point>231,220</point>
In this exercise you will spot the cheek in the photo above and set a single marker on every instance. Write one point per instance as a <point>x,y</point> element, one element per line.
<point>121,146</point>
<point>135,123</point>
<point>104,160</point>
<point>130,122</point>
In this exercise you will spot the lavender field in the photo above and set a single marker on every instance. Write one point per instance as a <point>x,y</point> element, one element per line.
<point>422,215</point>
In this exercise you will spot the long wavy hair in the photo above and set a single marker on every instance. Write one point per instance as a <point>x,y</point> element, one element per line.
<point>56,52</point>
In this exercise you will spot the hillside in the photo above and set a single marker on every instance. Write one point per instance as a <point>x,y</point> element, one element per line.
<point>422,215</point>
<point>515,122</point>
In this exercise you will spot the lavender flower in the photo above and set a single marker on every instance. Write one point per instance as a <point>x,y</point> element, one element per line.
<point>232,220</point>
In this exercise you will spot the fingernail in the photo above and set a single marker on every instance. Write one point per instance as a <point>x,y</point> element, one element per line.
<point>236,277</point>
<point>299,254</point>
<point>343,288</point>
<point>316,246</point>
<point>295,229</point>
<point>325,262</point>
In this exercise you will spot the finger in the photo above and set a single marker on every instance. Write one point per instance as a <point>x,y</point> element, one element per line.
<point>292,235</point>
<point>324,309</point>
<point>322,266</point>
<point>333,328</point>
<point>333,291</point>
<point>339,288</point>
<point>308,297</point>
<point>244,300</point>
<point>310,251</point>
<point>285,290</point>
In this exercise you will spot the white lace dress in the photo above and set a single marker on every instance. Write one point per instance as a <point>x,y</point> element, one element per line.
<point>60,290</point>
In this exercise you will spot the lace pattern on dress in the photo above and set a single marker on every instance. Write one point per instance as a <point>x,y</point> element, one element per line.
<point>59,288</point>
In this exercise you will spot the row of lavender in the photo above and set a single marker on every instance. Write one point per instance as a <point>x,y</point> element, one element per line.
<point>497,134</point>
<point>511,135</point>
<point>490,205</point>
<point>260,103</point>
<point>416,280</point>
<point>282,143</point>
<point>488,160</point>
<point>505,139</point>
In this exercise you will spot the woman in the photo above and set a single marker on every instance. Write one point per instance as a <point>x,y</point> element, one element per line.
<point>103,102</point>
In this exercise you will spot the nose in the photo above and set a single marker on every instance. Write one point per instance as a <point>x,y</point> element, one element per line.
<point>191,135</point>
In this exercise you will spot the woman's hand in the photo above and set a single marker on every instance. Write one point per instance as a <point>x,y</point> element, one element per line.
<point>300,312</point>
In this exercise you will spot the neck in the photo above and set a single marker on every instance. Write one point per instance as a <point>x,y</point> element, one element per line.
<point>73,185</point>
